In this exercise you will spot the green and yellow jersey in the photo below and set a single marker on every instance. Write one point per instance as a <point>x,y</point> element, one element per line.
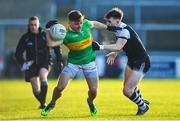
<point>79,44</point>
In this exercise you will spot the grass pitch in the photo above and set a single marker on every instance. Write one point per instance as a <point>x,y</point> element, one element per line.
<point>17,101</point>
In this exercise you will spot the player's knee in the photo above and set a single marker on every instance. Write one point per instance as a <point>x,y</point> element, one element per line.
<point>43,77</point>
<point>43,74</point>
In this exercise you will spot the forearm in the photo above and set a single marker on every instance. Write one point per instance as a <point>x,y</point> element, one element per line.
<point>54,44</point>
<point>99,25</point>
<point>116,47</point>
<point>112,47</point>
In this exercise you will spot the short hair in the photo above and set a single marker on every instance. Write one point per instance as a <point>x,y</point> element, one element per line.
<point>116,13</point>
<point>32,18</point>
<point>75,15</point>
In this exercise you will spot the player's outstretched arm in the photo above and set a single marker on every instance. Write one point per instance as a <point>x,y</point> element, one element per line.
<point>50,41</point>
<point>118,46</point>
<point>99,25</point>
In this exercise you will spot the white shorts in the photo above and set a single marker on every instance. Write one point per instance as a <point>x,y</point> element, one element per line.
<point>89,70</point>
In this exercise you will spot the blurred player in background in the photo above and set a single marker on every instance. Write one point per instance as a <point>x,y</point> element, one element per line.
<point>37,61</point>
<point>81,56</point>
<point>138,59</point>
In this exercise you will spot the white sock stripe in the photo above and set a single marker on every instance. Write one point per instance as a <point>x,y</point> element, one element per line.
<point>143,106</point>
<point>136,89</point>
<point>140,103</point>
<point>136,101</point>
<point>135,98</point>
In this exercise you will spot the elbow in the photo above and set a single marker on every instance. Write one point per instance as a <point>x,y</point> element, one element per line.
<point>118,48</point>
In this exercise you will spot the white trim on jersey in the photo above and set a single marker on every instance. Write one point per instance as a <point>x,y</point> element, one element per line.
<point>124,33</point>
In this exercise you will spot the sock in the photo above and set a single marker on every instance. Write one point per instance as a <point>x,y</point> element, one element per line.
<point>91,105</point>
<point>138,91</point>
<point>37,95</point>
<point>44,88</point>
<point>52,104</point>
<point>138,100</point>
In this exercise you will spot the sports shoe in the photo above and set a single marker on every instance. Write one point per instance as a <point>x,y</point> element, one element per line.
<point>147,102</point>
<point>93,109</point>
<point>47,109</point>
<point>42,106</point>
<point>142,112</point>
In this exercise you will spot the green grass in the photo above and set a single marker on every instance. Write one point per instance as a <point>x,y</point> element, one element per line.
<point>17,101</point>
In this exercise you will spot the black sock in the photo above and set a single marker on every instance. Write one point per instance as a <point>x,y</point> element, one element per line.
<point>138,91</point>
<point>91,105</point>
<point>137,99</point>
<point>52,104</point>
<point>44,88</point>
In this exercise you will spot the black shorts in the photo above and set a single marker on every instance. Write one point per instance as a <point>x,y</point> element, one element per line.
<point>142,65</point>
<point>34,71</point>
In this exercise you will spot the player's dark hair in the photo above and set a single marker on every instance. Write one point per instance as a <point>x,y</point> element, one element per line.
<point>32,18</point>
<point>75,15</point>
<point>116,13</point>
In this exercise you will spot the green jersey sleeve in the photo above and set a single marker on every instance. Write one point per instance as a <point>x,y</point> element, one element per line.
<point>88,23</point>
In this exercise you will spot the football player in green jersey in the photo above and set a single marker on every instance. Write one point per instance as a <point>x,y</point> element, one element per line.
<point>80,57</point>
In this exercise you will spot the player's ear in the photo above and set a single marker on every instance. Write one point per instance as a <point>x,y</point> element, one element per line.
<point>118,21</point>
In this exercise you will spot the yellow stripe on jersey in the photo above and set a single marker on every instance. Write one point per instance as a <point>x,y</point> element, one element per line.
<point>80,45</point>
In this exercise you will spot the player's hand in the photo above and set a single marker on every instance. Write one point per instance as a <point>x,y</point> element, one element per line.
<point>113,28</point>
<point>26,65</point>
<point>111,57</point>
<point>97,46</point>
<point>51,23</point>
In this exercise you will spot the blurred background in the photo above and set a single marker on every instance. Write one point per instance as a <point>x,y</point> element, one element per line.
<point>156,21</point>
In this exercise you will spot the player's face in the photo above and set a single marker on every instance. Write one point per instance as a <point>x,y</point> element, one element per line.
<point>34,26</point>
<point>76,25</point>
<point>112,22</point>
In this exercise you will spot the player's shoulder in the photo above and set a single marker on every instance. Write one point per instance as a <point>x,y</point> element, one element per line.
<point>123,32</point>
<point>87,22</point>
<point>123,25</point>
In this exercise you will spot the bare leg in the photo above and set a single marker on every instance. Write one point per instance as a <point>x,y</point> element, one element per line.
<point>62,83</point>
<point>35,88</point>
<point>132,79</point>
<point>93,85</point>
